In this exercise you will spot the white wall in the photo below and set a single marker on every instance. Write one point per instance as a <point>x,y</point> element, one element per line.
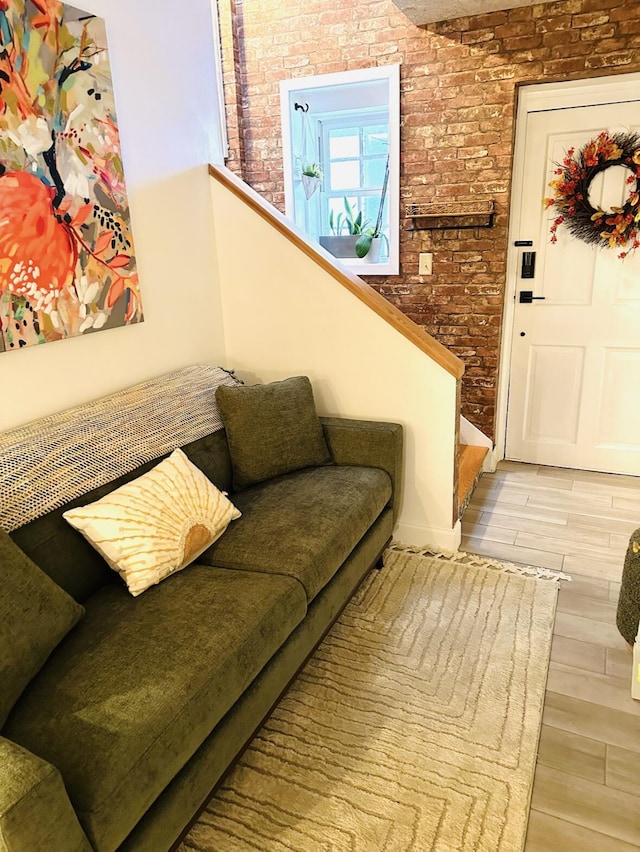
<point>264,323</point>
<point>163,74</point>
<point>284,315</point>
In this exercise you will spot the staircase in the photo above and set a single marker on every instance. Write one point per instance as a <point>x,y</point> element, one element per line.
<point>470,462</point>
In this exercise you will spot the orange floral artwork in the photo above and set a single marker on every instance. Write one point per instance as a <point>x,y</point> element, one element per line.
<point>67,260</point>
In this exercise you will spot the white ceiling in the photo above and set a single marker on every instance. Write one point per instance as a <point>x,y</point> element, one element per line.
<point>423,12</point>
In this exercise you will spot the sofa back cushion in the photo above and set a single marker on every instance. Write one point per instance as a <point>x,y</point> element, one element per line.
<point>69,559</point>
<point>272,429</point>
<point>63,554</point>
<point>211,455</point>
<point>35,614</point>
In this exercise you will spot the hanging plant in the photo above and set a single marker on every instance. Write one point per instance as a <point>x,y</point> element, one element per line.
<point>615,228</point>
<point>310,172</point>
<point>311,176</point>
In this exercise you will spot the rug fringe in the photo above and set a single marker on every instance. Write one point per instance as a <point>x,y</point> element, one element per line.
<point>476,560</point>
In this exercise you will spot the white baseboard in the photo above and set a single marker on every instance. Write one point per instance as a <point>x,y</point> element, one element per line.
<point>447,540</point>
<point>491,460</point>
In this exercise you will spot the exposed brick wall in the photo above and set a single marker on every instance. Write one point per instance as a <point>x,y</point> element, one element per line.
<point>459,81</point>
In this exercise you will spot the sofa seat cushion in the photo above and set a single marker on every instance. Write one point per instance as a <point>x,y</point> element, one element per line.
<point>302,525</point>
<point>126,699</point>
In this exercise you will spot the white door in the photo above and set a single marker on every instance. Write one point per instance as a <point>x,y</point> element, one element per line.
<point>574,388</point>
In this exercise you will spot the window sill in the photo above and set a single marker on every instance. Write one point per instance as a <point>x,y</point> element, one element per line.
<point>363,267</point>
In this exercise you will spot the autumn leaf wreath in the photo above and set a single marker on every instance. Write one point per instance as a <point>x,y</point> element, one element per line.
<point>615,228</point>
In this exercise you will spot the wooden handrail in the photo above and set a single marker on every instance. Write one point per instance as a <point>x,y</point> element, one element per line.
<point>392,315</point>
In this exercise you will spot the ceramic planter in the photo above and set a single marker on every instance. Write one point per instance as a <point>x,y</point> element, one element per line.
<point>373,255</point>
<point>310,184</point>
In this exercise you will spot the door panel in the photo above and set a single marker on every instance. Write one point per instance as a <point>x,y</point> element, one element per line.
<point>575,353</point>
<point>567,277</point>
<point>619,424</point>
<point>555,375</point>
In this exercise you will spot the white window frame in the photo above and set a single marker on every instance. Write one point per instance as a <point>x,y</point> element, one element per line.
<point>221,142</point>
<point>390,74</point>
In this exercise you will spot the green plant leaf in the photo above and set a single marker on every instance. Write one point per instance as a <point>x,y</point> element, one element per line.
<point>350,222</point>
<point>312,170</point>
<point>363,244</point>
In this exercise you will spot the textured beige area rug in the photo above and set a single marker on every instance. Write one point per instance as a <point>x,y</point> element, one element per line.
<point>413,727</point>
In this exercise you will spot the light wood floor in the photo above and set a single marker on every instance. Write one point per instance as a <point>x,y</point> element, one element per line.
<point>586,796</point>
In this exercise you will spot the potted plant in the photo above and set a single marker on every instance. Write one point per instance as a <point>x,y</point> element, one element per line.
<point>346,229</point>
<point>369,245</point>
<point>311,175</point>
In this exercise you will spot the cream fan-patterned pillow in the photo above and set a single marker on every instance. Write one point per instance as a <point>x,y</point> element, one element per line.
<point>157,524</point>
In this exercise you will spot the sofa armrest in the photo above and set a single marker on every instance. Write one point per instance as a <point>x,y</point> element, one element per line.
<point>371,444</point>
<point>35,811</point>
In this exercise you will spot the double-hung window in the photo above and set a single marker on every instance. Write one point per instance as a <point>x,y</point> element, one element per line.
<point>354,159</point>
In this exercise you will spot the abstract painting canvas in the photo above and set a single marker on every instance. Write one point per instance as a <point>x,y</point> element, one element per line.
<point>67,261</point>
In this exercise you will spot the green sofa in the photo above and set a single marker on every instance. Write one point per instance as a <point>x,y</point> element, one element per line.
<point>122,735</point>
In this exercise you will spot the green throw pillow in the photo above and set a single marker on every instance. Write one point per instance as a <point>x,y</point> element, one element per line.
<point>35,614</point>
<point>272,429</point>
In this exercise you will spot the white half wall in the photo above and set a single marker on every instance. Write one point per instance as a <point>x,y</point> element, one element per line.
<point>284,315</point>
<point>164,83</point>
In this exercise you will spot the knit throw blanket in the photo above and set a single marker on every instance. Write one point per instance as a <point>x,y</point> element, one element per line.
<point>50,461</point>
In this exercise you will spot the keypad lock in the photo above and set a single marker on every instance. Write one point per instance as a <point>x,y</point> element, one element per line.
<point>528,267</point>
